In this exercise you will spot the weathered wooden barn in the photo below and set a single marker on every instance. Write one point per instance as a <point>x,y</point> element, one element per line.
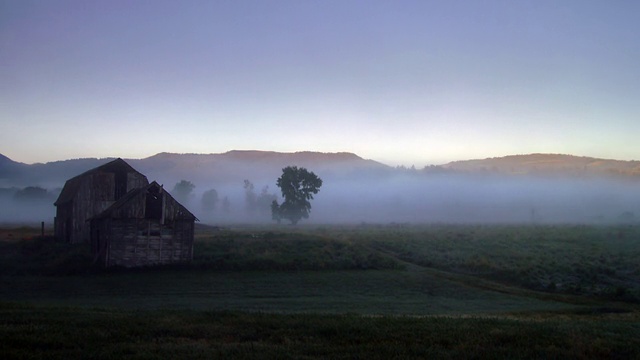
<point>89,194</point>
<point>147,226</point>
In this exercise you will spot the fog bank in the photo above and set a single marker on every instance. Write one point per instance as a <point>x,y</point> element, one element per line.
<point>403,198</point>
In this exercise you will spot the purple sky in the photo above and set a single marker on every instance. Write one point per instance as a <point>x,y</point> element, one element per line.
<point>402,82</point>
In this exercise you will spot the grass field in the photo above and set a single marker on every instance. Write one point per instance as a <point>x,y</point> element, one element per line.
<point>368,291</point>
<point>63,333</point>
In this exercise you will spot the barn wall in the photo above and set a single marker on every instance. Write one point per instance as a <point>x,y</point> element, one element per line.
<point>63,222</point>
<point>173,210</point>
<point>135,181</point>
<point>128,236</point>
<point>98,193</point>
<point>81,211</point>
<point>136,208</point>
<point>95,193</point>
<point>140,242</point>
<point>100,239</point>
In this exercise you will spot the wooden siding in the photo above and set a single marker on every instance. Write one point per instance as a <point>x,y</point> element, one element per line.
<point>88,195</point>
<point>124,235</point>
<point>142,242</point>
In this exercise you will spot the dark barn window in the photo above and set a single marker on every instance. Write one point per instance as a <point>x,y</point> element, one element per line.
<point>121,184</point>
<point>154,205</point>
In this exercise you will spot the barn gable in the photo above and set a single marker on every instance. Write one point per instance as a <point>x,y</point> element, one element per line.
<point>90,193</point>
<point>147,226</point>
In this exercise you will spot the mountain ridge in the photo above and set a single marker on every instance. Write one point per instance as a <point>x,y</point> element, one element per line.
<point>540,163</point>
<point>552,188</point>
<point>215,167</point>
<point>235,165</point>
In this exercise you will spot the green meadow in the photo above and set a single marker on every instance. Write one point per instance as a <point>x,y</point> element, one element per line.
<point>333,291</point>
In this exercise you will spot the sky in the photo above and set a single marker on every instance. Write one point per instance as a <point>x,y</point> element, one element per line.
<point>401,82</point>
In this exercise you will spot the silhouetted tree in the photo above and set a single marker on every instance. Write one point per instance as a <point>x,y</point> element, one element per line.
<point>298,185</point>
<point>210,200</point>
<point>264,201</point>
<point>32,194</point>
<point>250,197</point>
<point>275,211</point>
<point>226,205</point>
<point>182,190</point>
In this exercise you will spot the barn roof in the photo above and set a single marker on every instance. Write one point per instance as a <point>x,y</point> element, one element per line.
<point>72,185</point>
<point>123,201</point>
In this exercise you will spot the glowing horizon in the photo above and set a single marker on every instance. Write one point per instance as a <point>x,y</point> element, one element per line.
<point>402,83</point>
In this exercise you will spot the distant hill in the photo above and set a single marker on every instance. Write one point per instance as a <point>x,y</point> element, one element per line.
<point>256,166</point>
<point>357,190</point>
<point>548,164</point>
<point>168,168</point>
<point>263,167</point>
<point>10,171</point>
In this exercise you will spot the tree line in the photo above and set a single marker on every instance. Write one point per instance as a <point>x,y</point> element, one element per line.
<point>297,187</point>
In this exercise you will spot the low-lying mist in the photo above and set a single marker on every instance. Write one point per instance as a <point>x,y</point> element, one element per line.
<point>15,209</point>
<point>401,198</point>
<point>446,198</point>
<point>478,199</point>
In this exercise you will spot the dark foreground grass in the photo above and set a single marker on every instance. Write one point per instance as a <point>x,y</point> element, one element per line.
<point>259,249</point>
<point>371,292</point>
<point>285,295</point>
<point>381,270</point>
<point>64,333</point>
<point>600,261</point>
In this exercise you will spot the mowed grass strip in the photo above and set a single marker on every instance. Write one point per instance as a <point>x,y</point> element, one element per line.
<point>63,333</point>
<point>371,292</point>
